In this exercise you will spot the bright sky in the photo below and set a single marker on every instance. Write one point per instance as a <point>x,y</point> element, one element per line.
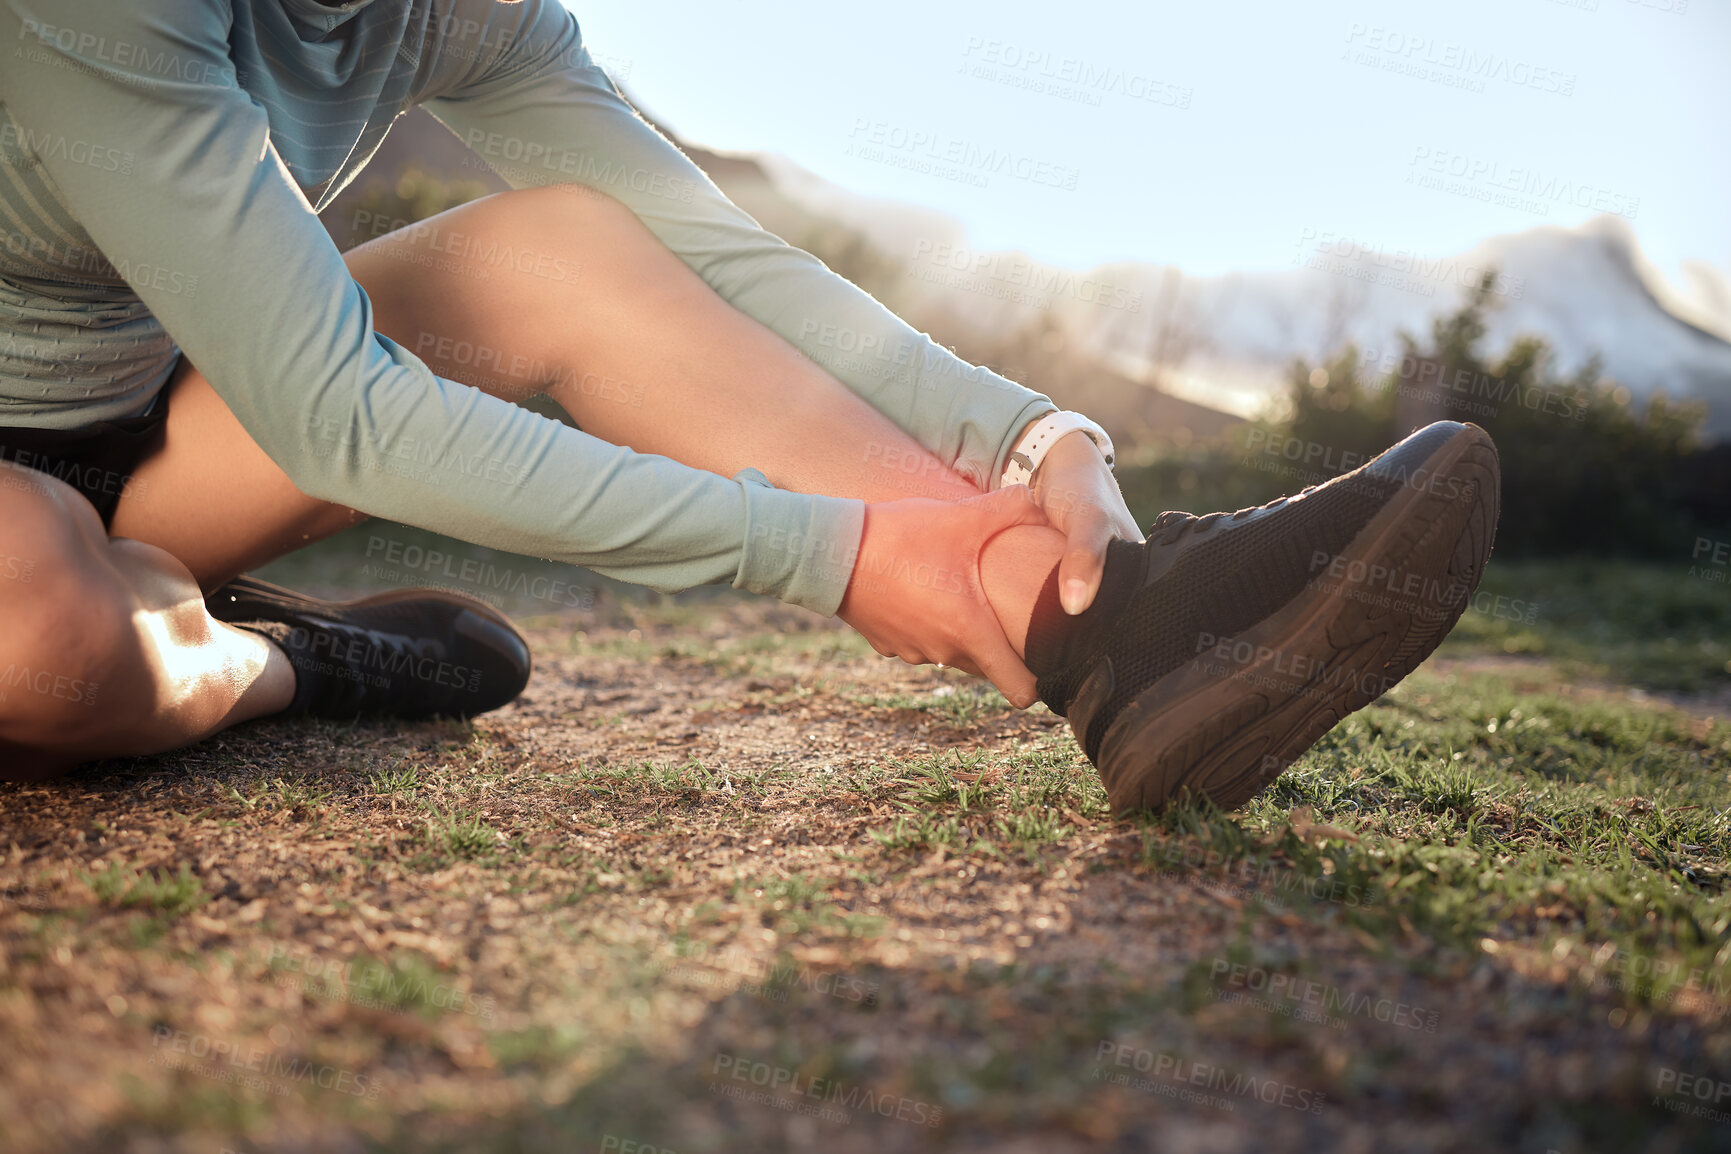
<point>1212,135</point>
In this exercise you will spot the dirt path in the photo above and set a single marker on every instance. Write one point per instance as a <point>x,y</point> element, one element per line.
<point>719,885</point>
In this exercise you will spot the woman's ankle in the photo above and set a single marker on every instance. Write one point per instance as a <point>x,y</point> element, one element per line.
<point>272,686</point>
<point>1014,566</point>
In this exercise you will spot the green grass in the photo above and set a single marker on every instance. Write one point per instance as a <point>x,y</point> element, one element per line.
<point>126,887</point>
<point>1643,624</point>
<point>400,780</point>
<point>959,701</point>
<point>1478,813</point>
<point>799,904</point>
<point>1457,809</point>
<point>537,947</point>
<point>446,837</point>
<point>972,804</point>
<point>407,982</point>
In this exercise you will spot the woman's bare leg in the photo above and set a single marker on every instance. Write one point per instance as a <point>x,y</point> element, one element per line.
<point>636,347</point>
<point>107,647</point>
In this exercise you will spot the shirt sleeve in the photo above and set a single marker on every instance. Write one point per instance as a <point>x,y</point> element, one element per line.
<point>210,231</point>
<point>538,110</point>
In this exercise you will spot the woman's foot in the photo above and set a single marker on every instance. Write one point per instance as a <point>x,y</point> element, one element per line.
<point>1223,647</point>
<point>409,653</point>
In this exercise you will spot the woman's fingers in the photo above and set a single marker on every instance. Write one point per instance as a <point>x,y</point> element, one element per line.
<point>1084,560</point>
<point>916,590</point>
<point>989,653</point>
<point>1083,502</point>
<point>1089,530</point>
<point>998,663</point>
<point>1005,509</point>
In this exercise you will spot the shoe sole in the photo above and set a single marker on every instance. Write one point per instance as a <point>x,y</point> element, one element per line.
<point>1224,727</point>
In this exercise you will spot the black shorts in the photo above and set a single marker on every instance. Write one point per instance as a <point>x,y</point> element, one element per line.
<point>98,460</point>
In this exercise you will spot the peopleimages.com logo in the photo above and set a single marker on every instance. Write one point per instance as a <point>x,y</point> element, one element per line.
<point>1172,1076</point>
<point>361,660</point>
<point>257,1066</point>
<point>791,1090</point>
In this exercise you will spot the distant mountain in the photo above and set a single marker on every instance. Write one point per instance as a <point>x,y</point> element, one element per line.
<point>1227,340</point>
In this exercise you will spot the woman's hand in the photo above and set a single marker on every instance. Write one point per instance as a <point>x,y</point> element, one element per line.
<point>916,592</point>
<point>1081,500</point>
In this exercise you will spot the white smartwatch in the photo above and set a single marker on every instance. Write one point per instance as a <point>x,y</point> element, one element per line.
<point>1024,460</point>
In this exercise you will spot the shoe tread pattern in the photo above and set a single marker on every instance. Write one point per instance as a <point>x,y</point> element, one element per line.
<point>1233,754</point>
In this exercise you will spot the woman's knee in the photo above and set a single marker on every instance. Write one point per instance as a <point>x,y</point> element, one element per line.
<point>534,229</point>
<point>65,613</point>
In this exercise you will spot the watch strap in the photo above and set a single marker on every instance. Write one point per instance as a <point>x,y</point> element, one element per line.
<point>1024,460</point>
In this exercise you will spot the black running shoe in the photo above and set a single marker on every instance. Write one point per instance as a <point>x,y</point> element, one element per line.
<point>1237,640</point>
<point>410,653</point>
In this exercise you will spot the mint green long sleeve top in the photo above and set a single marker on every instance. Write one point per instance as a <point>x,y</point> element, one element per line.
<point>161,165</point>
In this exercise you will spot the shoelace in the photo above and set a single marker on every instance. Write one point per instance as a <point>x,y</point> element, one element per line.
<point>391,643</point>
<point>1176,523</point>
<point>342,692</point>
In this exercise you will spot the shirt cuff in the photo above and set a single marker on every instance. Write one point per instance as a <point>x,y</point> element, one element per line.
<point>799,548</point>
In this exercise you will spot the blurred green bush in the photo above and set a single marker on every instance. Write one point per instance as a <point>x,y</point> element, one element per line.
<point>1585,470</point>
